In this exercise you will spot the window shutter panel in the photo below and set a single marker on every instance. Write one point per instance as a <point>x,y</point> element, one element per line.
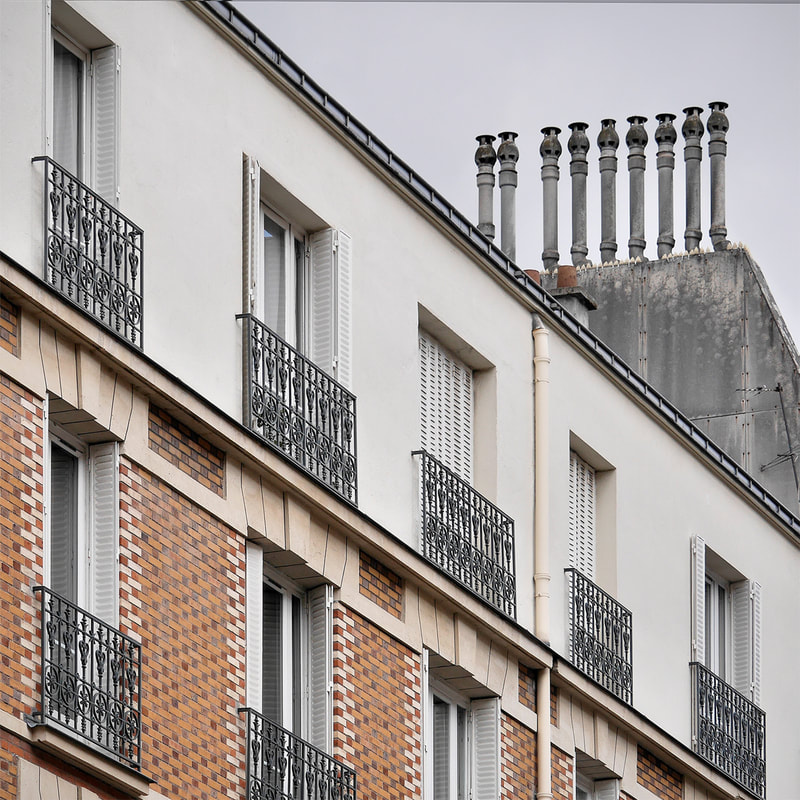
<point>427,395</point>
<point>272,656</point>
<point>581,516</point>
<point>63,513</point>
<point>344,342</point>
<point>606,789</point>
<point>105,122</point>
<point>322,306</point>
<point>104,531</point>
<point>746,638</point>
<point>320,668</point>
<point>251,231</point>
<point>254,590</point>
<point>485,755</point>
<point>699,600</point>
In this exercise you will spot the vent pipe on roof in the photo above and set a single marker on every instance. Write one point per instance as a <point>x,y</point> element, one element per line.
<point>636,139</point>
<point>608,142</point>
<point>485,158</point>
<point>578,146</point>
<point>665,162</point>
<point>508,154</point>
<point>692,131</point>
<point>550,150</point>
<point>717,150</point>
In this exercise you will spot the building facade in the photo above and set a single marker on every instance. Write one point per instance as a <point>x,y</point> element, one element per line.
<point>310,491</point>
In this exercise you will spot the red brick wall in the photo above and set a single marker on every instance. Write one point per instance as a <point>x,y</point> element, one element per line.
<point>183,595</point>
<point>377,708</point>
<point>657,776</point>
<point>9,326</point>
<point>517,759</point>
<point>187,450</point>
<point>527,686</point>
<point>380,585</point>
<point>21,555</point>
<point>563,775</point>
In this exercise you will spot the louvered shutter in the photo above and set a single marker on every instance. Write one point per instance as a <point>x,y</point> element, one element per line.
<point>746,638</point>
<point>485,744</point>
<point>343,354</point>
<point>320,668</point>
<point>251,231</point>
<point>254,588</point>
<point>104,531</point>
<point>105,122</point>
<point>699,600</point>
<point>606,789</point>
<point>321,245</point>
<point>581,516</point>
<point>63,514</point>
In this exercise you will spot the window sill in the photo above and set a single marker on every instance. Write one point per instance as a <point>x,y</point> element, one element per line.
<point>116,775</point>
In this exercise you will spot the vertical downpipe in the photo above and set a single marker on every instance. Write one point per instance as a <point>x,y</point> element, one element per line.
<point>665,162</point>
<point>550,150</point>
<point>578,146</point>
<point>485,158</point>
<point>717,150</point>
<point>692,131</point>
<point>636,139</point>
<point>608,142</point>
<point>508,154</point>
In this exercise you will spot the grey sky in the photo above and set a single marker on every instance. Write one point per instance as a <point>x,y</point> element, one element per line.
<point>426,78</point>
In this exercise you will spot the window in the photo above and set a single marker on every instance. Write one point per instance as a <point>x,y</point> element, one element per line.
<point>297,271</point>
<point>582,530</point>
<point>587,789</point>
<point>82,523</point>
<point>289,652</point>
<point>727,621</point>
<point>446,407</point>
<point>462,744</point>
<point>85,110</point>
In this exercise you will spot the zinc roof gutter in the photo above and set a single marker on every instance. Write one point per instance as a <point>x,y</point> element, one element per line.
<point>276,60</point>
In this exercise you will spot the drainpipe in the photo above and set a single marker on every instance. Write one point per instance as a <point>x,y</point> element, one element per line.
<point>608,142</point>
<point>665,161</point>
<point>508,154</point>
<point>717,150</point>
<point>692,131</point>
<point>485,158</point>
<point>636,140</point>
<point>550,150</point>
<point>541,547</point>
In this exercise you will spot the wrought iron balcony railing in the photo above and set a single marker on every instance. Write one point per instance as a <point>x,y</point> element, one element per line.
<point>601,635</point>
<point>729,731</point>
<point>466,536</point>
<point>90,679</point>
<point>300,409</point>
<point>94,254</point>
<point>281,766</point>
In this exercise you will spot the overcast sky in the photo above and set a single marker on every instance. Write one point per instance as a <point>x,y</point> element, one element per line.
<point>428,77</point>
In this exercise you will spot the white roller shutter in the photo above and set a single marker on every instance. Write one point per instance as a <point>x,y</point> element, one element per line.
<point>105,64</point>
<point>104,531</point>
<point>485,748</point>
<point>606,789</point>
<point>320,668</point>
<point>746,639</point>
<point>254,592</point>
<point>699,600</point>
<point>582,516</point>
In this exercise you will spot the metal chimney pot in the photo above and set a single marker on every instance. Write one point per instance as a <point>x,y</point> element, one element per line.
<point>717,150</point>
<point>485,158</point>
<point>550,150</point>
<point>665,162</point>
<point>636,139</point>
<point>692,131</point>
<point>578,146</point>
<point>508,154</point>
<point>608,142</point>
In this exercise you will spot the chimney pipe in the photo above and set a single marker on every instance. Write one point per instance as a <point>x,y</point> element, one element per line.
<point>717,150</point>
<point>485,158</point>
<point>692,131</point>
<point>665,162</point>
<point>608,142</point>
<point>636,139</point>
<point>550,150</point>
<point>578,146</point>
<point>508,154</point>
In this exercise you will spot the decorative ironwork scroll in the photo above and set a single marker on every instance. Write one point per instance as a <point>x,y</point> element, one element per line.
<point>301,410</point>
<point>729,731</point>
<point>90,679</point>
<point>466,536</point>
<point>601,636</point>
<point>94,254</point>
<point>281,766</point>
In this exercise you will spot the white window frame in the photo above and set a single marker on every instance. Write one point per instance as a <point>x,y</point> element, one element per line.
<point>587,789</point>
<point>718,625</point>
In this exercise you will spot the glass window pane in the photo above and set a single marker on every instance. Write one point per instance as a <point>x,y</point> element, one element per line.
<point>297,666</point>
<point>67,110</point>
<point>274,276</point>
<point>63,523</point>
<point>461,743</point>
<point>271,656</point>
<point>441,749</point>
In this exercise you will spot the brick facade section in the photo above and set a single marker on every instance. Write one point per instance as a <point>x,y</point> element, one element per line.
<point>527,687</point>
<point>187,450</point>
<point>380,585</point>
<point>9,326</point>
<point>517,759</point>
<point>182,593</point>
<point>22,438</point>
<point>377,708</point>
<point>562,775</point>
<point>658,777</point>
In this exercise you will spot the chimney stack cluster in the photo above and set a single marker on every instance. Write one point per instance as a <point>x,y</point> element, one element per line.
<point>636,140</point>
